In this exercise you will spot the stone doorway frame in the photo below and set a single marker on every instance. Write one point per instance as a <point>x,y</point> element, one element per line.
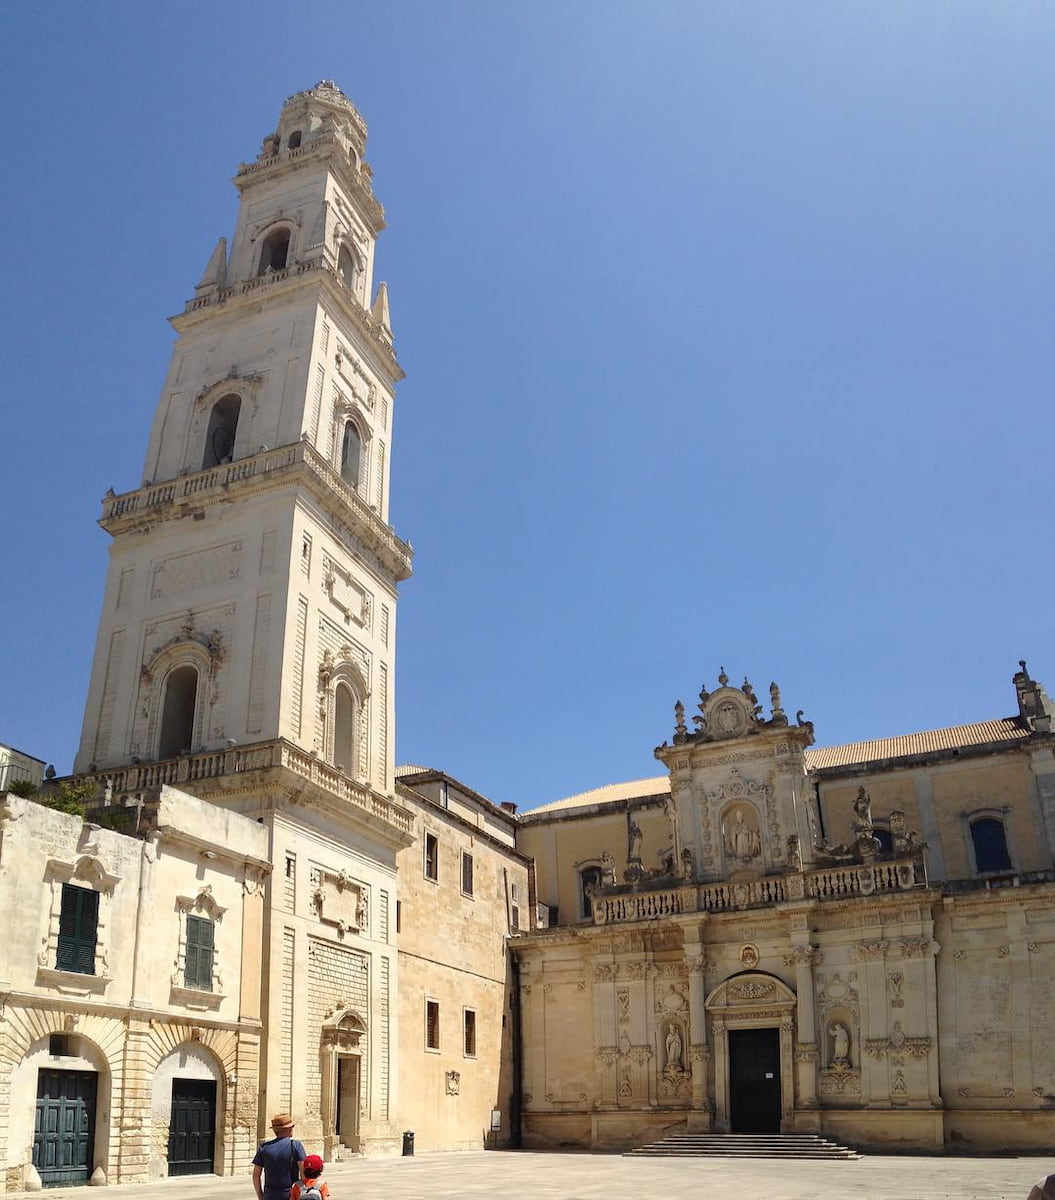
<point>342,1031</point>
<point>751,1000</point>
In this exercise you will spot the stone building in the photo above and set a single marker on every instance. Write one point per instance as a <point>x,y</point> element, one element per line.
<point>130,1026</point>
<point>245,656</point>
<point>856,940</point>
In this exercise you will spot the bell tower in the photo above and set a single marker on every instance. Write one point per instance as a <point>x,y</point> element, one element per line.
<point>249,613</point>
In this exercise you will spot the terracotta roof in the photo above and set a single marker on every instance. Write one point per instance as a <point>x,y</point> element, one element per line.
<point>409,769</point>
<point>911,745</point>
<point>609,794</point>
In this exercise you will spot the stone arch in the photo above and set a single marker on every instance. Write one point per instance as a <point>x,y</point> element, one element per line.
<point>342,681</point>
<point>187,649</point>
<point>95,1045</point>
<point>190,1058</point>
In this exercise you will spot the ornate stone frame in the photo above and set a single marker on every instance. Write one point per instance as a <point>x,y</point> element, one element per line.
<point>352,409</point>
<point>332,673</point>
<point>87,869</point>
<point>341,1036</point>
<point>752,1000</point>
<point>989,812</point>
<point>199,905</point>
<point>187,648</point>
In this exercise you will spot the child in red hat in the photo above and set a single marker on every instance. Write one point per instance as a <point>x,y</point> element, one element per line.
<point>313,1187</point>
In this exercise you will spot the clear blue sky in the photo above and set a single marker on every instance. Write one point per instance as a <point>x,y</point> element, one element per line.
<point>727,330</point>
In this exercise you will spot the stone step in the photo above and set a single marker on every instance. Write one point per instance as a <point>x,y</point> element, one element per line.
<point>745,1145</point>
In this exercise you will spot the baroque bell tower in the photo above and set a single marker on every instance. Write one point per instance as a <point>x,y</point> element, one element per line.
<point>249,614</point>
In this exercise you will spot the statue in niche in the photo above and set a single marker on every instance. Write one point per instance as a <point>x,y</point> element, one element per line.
<point>688,866</point>
<point>633,841</point>
<point>741,841</point>
<point>674,1061</point>
<point>840,1036</point>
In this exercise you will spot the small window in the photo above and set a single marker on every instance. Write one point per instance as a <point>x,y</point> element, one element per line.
<point>990,845</point>
<point>60,1045</point>
<point>222,431</point>
<point>274,254</point>
<point>469,1040</point>
<point>78,930</point>
<point>347,268</point>
<point>513,893</point>
<point>885,839</point>
<point>514,917</point>
<point>432,1024</point>
<point>177,712</point>
<point>589,882</point>
<point>467,874</point>
<point>294,139</point>
<point>399,916</point>
<point>291,866</point>
<point>198,971</point>
<point>351,454</point>
<point>432,856</point>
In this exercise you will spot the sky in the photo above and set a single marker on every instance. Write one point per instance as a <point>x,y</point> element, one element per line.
<point>727,330</point>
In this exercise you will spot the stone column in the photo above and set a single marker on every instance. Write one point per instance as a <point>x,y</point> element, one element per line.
<point>605,1035</point>
<point>721,1075</point>
<point>802,958</point>
<point>699,1120</point>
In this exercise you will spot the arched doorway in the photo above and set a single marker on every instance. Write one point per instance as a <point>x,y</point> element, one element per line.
<point>185,1104</point>
<point>342,1069</point>
<point>752,1025</point>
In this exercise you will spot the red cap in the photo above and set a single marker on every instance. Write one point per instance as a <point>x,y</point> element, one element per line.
<point>313,1162</point>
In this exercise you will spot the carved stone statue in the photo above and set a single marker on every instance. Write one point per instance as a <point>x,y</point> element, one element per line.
<point>607,869</point>
<point>840,1044</point>
<point>741,840</point>
<point>863,809</point>
<point>674,1061</point>
<point>688,866</point>
<point>633,841</point>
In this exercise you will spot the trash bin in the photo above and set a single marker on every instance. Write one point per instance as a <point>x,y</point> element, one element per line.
<point>408,1143</point>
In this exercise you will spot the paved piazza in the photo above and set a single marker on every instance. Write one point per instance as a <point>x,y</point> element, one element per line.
<point>612,1177</point>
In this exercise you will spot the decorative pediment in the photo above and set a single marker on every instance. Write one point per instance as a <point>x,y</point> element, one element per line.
<point>342,1027</point>
<point>202,904</point>
<point>88,869</point>
<point>246,386</point>
<point>732,712</point>
<point>751,990</point>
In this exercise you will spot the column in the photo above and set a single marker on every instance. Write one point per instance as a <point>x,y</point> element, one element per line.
<point>802,958</point>
<point>698,1051</point>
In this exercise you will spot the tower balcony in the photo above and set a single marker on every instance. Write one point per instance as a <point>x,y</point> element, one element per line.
<point>299,463</point>
<point>260,768</point>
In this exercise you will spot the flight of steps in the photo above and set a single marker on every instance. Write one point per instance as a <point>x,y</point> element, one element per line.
<point>745,1145</point>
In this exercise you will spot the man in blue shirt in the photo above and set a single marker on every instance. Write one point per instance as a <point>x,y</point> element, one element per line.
<point>277,1165</point>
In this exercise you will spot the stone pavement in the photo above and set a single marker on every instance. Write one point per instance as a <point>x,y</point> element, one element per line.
<point>533,1176</point>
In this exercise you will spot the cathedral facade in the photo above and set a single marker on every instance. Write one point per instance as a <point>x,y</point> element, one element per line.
<point>857,941</point>
<point>248,909</point>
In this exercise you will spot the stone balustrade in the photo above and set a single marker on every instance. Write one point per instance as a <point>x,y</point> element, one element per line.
<point>827,883</point>
<point>215,480</point>
<point>212,764</point>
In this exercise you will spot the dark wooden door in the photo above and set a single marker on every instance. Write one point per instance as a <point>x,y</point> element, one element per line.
<point>192,1127</point>
<point>754,1080</point>
<point>64,1130</point>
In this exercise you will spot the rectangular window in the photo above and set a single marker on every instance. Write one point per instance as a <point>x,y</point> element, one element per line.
<point>467,874</point>
<point>469,1040</point>
<point>432,856</point>
<point>78,925</point>
<point>514,917</point>
<point>198,970</point>
<point>432,1024</point>
<point>60,1045</point>
<point>399,916</point>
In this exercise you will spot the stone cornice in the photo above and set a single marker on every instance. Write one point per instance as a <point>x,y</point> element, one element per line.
<point>323,150</point>
<point>299,463</point>
<point>48,1002</point>
<point>315,273</point>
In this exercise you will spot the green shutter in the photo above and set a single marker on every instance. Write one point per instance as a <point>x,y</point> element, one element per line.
<point>198,971</point>
<point>78,930</point>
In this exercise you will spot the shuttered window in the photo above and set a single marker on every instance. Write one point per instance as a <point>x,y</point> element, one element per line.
<point>78,928</point>
<point>198,970</point>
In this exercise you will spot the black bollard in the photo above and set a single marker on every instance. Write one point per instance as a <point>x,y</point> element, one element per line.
<point>408,1143</point>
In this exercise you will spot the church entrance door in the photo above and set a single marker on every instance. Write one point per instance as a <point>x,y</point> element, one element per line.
<point>754,1080</point>
<point>347,1122</point>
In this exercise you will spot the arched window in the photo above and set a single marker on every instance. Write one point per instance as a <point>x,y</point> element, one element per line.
<point>223,426</point>
<point>351,454</point>
<point>990,845</point>
<point>344,728</point>
<point>348,268</point>
<point>275,251</point>
<point>589,882</point>
<point>177,712</point>
<point>294,139</point>
<point>884,837</point>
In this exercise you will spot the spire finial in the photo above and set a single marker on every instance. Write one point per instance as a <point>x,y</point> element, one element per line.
<point>723,679</point>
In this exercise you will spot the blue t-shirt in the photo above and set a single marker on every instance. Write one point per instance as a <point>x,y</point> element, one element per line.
<point>276,1157</point>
